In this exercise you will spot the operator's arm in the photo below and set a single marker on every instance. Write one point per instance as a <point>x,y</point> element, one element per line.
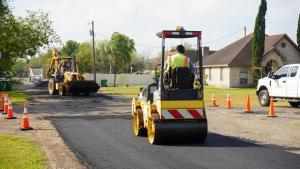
<point>167,65</point>
<point>192,69</point>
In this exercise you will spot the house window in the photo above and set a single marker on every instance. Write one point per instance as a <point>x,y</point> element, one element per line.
<point>221,73</point>
<point>283,45</point>
<point>243,76</point>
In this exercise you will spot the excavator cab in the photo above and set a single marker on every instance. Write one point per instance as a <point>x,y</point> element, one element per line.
<point>173,109</point>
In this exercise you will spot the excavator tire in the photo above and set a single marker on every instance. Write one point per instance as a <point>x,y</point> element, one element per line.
<point>51,87</point>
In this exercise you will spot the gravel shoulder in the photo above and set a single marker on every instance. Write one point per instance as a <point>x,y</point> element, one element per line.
<point>282,131</point>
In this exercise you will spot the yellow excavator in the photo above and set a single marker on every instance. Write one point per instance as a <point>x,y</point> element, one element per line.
<point>65,78</point>
<point>172,112</point>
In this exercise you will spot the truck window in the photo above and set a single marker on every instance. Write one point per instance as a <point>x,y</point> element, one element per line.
<point>283,72</point>
<point>294,70</point>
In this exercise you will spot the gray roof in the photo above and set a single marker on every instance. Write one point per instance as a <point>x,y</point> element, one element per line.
<point>234,54</point>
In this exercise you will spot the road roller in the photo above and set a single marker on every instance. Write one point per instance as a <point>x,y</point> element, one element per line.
<point>65,78</point>
<point>172,109</point>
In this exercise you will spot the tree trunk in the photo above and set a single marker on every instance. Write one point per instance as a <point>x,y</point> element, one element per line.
<point>115,78</point>
<point>115,75</point>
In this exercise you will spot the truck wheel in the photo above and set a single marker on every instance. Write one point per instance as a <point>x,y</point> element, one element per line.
<point>51,87</point>
<point>264,98</point>
<point>62,90</point>
<point>295,104</point>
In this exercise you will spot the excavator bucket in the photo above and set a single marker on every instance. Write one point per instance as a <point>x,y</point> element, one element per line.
<point>86,86</point>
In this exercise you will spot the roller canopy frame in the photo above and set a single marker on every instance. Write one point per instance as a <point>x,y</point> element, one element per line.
<point>181,34</point>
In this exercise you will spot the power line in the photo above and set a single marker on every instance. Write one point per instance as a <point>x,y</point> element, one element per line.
<point>204,42</point>
<point>224,37</point>
<point>102,35</point>
<point>147,46</point>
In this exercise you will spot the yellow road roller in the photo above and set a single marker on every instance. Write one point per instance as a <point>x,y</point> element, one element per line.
<point>173,112</point>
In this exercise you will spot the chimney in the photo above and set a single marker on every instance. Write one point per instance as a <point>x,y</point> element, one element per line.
<point>205,51</point>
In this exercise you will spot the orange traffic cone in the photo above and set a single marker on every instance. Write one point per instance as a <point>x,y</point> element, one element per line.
<point>228,102</point>
<point>213,101</point>
<point>26,125</point>
<point>2,94</point>
<point>5,110</point>
<point>271,109</point>
<point>248,106</point>
<point>10,113</point>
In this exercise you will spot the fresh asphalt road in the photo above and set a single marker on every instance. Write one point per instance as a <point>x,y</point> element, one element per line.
<point>98,129</point>
<point>110,143</point>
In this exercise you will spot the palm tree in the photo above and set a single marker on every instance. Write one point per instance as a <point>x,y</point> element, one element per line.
<point>119,50</point>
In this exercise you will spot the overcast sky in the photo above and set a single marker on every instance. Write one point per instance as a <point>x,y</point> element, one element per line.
<point>221,21</point>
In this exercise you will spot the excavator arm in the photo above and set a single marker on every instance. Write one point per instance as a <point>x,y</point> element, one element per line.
<point>54,64</point>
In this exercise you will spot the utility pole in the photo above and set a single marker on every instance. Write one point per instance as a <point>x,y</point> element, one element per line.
<point>245,31</point>
<point>94,52</point>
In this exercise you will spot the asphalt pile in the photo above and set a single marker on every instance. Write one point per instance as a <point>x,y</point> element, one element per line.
<point>41,84</point>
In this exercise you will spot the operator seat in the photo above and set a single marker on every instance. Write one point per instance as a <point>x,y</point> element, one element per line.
<point>181,78</point>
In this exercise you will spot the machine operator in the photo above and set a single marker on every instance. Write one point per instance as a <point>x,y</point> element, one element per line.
<point>178,60</point>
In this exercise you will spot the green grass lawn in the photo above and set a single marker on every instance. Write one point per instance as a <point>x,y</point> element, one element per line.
<point>17,96</point>
<point>20,153</point>
<point>238,95</point>
<point>130,91</point>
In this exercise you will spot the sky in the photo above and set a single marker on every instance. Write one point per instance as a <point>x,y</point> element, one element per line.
<point>221,21</point>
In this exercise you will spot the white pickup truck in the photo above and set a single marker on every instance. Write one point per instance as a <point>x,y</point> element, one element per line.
<point>282,85</point>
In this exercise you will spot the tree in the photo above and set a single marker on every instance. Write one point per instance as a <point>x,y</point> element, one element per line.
<point>70,48</point>
<point>258,42</point>
<point>102,59</point>
<point>137,63</point>
<point>20,68</point>
<point>298,32</point>
<point>84,57</point>
<point>22,37</point>
<point>7,26</point>
<point>3,7</point>
<point>119,49</point>
<point>122,51</point>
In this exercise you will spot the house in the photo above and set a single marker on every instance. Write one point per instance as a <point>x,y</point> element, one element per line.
<point>231,66</point>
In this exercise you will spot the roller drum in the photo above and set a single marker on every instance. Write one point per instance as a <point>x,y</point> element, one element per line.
<point>178,131</point>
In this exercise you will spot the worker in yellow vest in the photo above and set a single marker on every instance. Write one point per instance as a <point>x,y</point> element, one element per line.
<point>178,60</point>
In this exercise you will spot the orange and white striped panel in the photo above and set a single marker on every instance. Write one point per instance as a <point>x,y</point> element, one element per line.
<point>182,114</point>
